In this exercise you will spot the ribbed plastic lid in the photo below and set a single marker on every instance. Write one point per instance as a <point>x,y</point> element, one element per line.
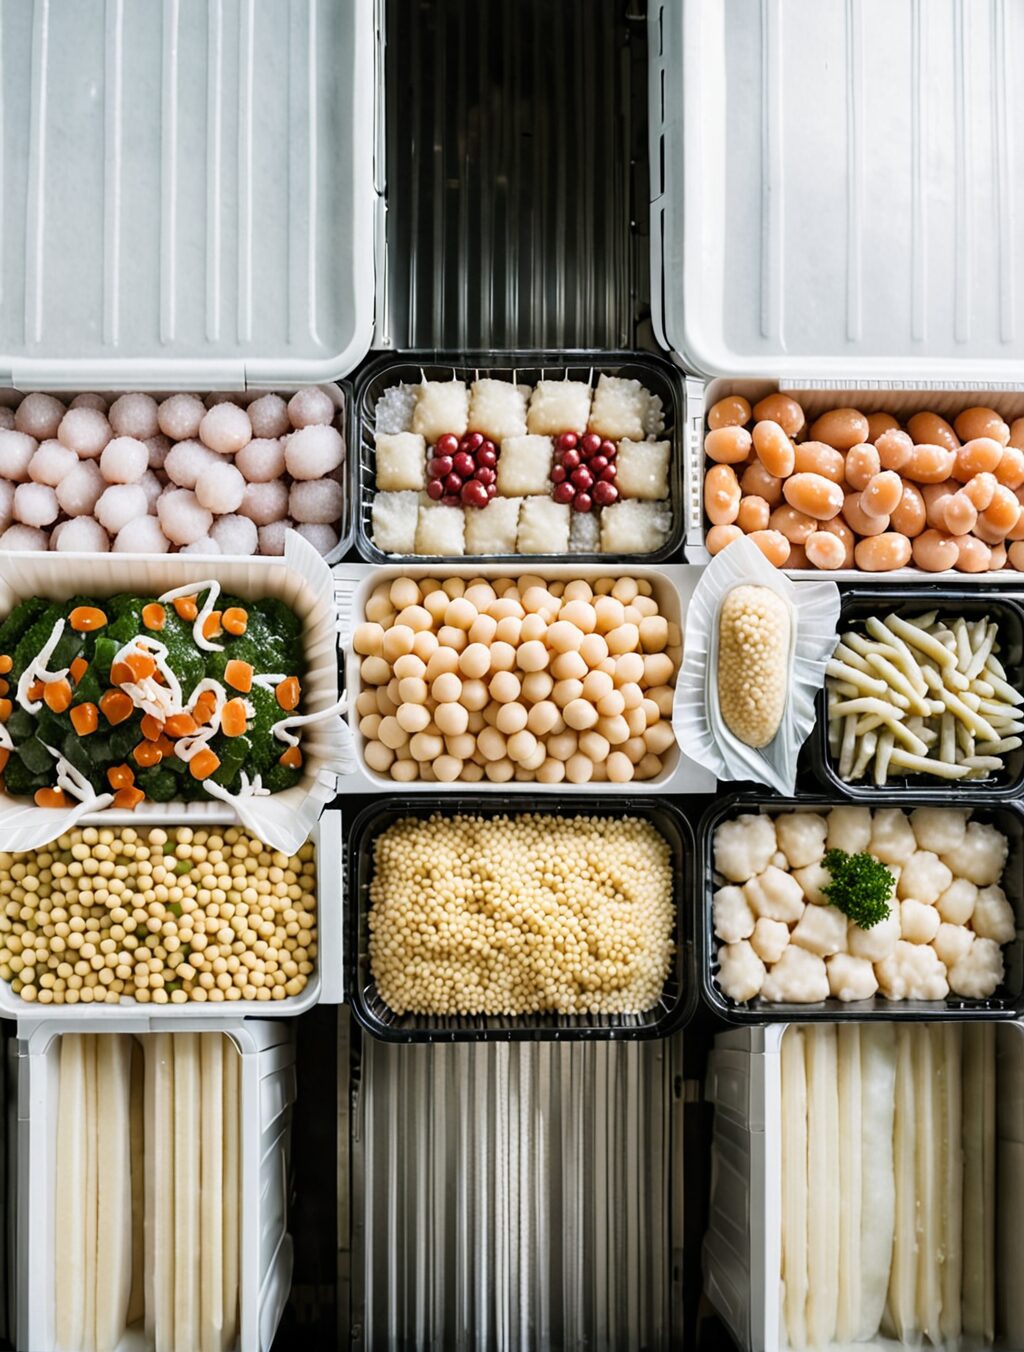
<point>839,187</point>
<point>187,191</point>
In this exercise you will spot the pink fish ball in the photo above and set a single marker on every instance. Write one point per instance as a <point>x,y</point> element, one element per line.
<point>179,416</point>
<point>226,429</point>
<point>35,505</point>
<point>216,397</point>
<point>186,461</point>
<point>24,538</point>
<point>50,463</point>
<point>203,546</point>
<point>89,400</point>
<point>311,407</point>
<point>159,448</point>
<point>262,460</point>
<point>152,487</point>
<point>82,535</point>
<point>80,491</point>
<point>84,431</point>
<point>141,536</point>
<point>120,504</point>
<point>272,536</point>
<point>322,538</point>
<point>316,501</point>
<point>235,534</point>
<point>6,419</point>
<point>221,488</point>
<point>313,452</point>
<point>6,504</point>
<point>264,503</point>
<point>269,416</point>
<point>183,518</point>
<point>39,415</point>
<point>16,452</point>
<point>124,461</point>
<point>134,415</point>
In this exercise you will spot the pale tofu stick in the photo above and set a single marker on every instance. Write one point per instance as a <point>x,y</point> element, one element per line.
<point>901,1310</point>
<point>842,671</point>
<point>843,688</point>
<point>963,646</point>
<point>998,748</point>
<point>922,641</point>
<point>137,1127</point>
<point>850,1161</point>
<point>979,1110</point>
<point>885,748</point>
<point>843,652</point>
<point>982,762</point>
<point>822,1185</point>
<point>925,621</point>
<point>977,724</point>
<point>794,1185</point>
<point>232,1187</point>
<point>878,1196</point>
<point>211,1182</point>
<point>983,688</point>
<point>90,1126</point>
<point>114,1191</point>
<point>70,1203</point>
<point>186,1190</point>
<point>926,765</point>
<point>947,739</point>
<point>867,749</point>
<point>903,658</point>
<point>964,741</point>
<point>899,680</point>
<point>929,1180</point>
<point>160,1169</point>
<point>972,700</point>
<point>949,1042</point>
<point>847,746</point>
<point>868,723</point>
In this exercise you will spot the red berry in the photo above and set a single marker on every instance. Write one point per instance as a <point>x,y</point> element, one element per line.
<point>464,465</point>
<point>605,493</point>
<point>446,445</point>
<point>487,456</point>
<point>571,459</point>
<point>607,448</point>
<point>453,484</point>
<point>488,445</point>
<point>485,475</point>
<point>439,466</point>
<point>435,489</point>
<point>474,493</point>
<point>492,490</point>
<point>582,502</point>
<point>451,500</point>
<point>582,478</point>
<point>608,474</point>
<point>590,444</point>
<point>472,442</point>
<point>558,474</point>
<point>611,452</point>
<point>564,492</point>
<point>597,463</point>
<point>567,441</point>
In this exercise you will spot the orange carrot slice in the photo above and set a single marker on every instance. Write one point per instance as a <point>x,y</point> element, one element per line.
<point>288,692</point>
<point>154,616</point>
<point>140,665</point>
<point>202,710</point>
<point>6,663</point>
<point>57,696</point>
<point>35,690</point>
<point>233,718</point>
<point>120,673</point>
<point>78,669</point>
<point>181,725</point>
<point>116,706</point>
<point>128,799</point>
<point>146,754</point>
<point>186,607</point>
<point>238,675</point>
<point>120,776</point>
<point>235,620</point>
<point>292,758</point>
<point>86,618</point>
<point>5,709</point>
<point>164,745</point>
<point>151,727</point>
<point>50,798</point>
<point>85,719</point>
<point>203,764</point>
<point>212,627</point>
<point>5,756</point>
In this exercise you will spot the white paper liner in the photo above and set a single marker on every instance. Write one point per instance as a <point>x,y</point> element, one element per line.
<point>302,579</point>
<point>700,728</point>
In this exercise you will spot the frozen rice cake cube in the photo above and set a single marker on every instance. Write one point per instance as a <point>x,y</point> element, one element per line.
<point>641,469</point>
<point>440,530</point>
<point>441,406</point>
<point>492,529</point>
<point>394,517</point>
<point>559,406</point>
<point>584,533</point>
<point>543,526</point>
<point>401,461</point>
<point>497,408</point>
<point>619,409</point>
<point>524,466</point>
<point>633,527</point>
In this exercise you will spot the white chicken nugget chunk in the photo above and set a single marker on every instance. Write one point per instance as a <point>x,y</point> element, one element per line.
<point>559,406</point>
<point>497,408</point>
<point>441,406</point>
<point>924,876</point>
<point>769,939</point>
<point>734,920</point>
<point>812,879</point>
<point>939,828</point>
<point>775,894</point>
<point>877,942</point>
<point>492,529</point>
<point>801,837</point>
<point>993,916</point>
<point>633,527</point>
<point>401,461</point>
<point>440,530</point>
<point>851,978</point>
<point>524,466</point>
<point>951,942</point>
<point>543,526</point>
<point>744,846</point>
<point>956,905</point>
<point>981,855</point>
<point>740,971</point>
<point>641,469</point>
<point>394,517</point>
<point>912,972</point>
<point>799,977</point>
<point>919,923</point>
<point>978,974</point>
<point>821,930</point>
<point>849,829</point>
<point>892,837</point>
<point>619,409</point>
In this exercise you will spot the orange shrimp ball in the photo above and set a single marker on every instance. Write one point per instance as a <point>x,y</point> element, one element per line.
<point>973,555</point>
<point>1010,470</point>
<point>719,536</point>
<point>929,463</point>
<point>774,449</point>
<point>894,448</point>
<point>756,482</point>
<point>825,550</point>
<point>882,553</point>
<point>958,513</point>
<point>732,411</point>
<point>859,521</point>
<point>721,495</point>
<point>814,495</point>
<point>781,409</point>
<point>981,490</point>
<point>728,445</point>
<point>773,545</point>
<point>862,464</point>
<point>929,429</point>
<point>841,428</point>
<point>980,456</point>
<point>753,514</point>
<point>814,457</point>
<point>882,494</point>
<point>935,552</point>
<point>981,422</point>
<point>795,526</point>
<point>879,423</point>
<point>908,517</point>
<point>838,527</point>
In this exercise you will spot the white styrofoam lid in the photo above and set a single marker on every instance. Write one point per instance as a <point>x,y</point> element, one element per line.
<point>838,187</point>
<point>187,191</point>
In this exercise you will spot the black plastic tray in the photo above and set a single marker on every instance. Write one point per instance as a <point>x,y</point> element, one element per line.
<point>657,374</point>
<point>679,998</point>
<point>859,605</point>
<point>1007,1003</point>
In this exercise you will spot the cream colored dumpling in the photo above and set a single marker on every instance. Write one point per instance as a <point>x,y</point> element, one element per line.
<point>401,461</point>
<point>740,971</point>
<point>619,409</point>
<point>492,529</point>
<point>821,930</point>
<point>979,972</point>
<point>981,856</point>
<point>442,406</point>
<point>559,406</point>
<point>849,829</point>
<point>957,903</point>
<point>775,894</point>
<point>851,978</point>
<point>877,942</point>
<point>924,876</point>
<point>441,530</point>
<point>799,977</point>
<point>543,526</point>
<point>524,466</point>
<point>497,408</point>
<point>394,517</point>
<point>744,846</point>
<point>993,916</point>
<point>733,918</point>
<point>641,469</point>
<point>813,879</point>
<point>939,829</point>
<point>633,527</point>
<point>769,939</point>
<point>892,837</point>
<point>919,923</point>
<point>801,837</point>
<point>912,972</point>
<point>951,942</point>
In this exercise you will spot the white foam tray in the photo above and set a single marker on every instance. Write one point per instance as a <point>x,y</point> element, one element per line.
<point>265,1259</point>
<point>742,1254</point>
<point>672,586</point>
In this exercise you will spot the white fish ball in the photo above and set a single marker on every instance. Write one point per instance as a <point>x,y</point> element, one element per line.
<point>134,415</point>
<point>311,407</point>
<point>84,431</point>
<point>186,461</point>
<point>81,535</point>
<point>6,419</point>
<point>235,535</point>
<point>35,505</point>
<point>124,461</point>
<point>313,452</point>
<point>51,462</point>
<point>141,536</point>
<point>159,448</point>
<point>262,460</point>
<point>24,538</point>
<point>220,487</point>
<point>264,503</point>
<point>152,487</point>
<point>16,451</point>
<point>39,415</point>
<point>323,538</point>
<point>226,428</point>
<point>179,416</point>
<point>317,501</point>
<point>272,536</point>
<point>120,504</point>
<point>269,416</point>
<point>203,546</point>
<point>80,491</point>
<point>183,518</point>
<point>6,503</point>
<point>90,399</point>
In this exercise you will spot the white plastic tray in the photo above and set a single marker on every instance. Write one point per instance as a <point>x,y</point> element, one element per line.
<point>265,1262</point>
<point>672,586</point>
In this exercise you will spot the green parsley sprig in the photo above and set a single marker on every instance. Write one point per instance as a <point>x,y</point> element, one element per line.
<point>861,887</point>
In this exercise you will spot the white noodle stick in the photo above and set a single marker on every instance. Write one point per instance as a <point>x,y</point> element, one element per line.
<point>982,762</point>
<point>160,1169</point>
<point>883,757</point>
<point>822,1185</point>
<point>847,747</point>
<point>926,765</point>
<point>843,688</point>
<point>844,653</point>
<point>925,621</point>
<point>972,700</point>
<point>861,646</point>
<point>902,1303</point>
<point>922,641</point>
<point>232,1187</point>
<point>1010,1294</point>
<point>114,1191</point>
<point>897,672</point>
<point>963,646</point>
<point>979,1180</point>
<point>90,1126</point>
<point>137,1128</point>
<point>998,748</point>
<point>867,749</point>
<point>947,739</point>
<point>878,1184</point>
<point>929,1181</point>
<point>964,740</point>
<point>983,688</point>
<point>1002,687</point>
<point>186,1190</point>
<point>929,736</point>
<point>211,1206</point>
<point>868,723</point>
<point>850,1161</point>
<point>949,1041</point>
<point>901,654</point>
<point>149,1188</point>
<point>850,675</point>
<point>70,1200</point>
<point>974,721</point>
<point>794,1185</point>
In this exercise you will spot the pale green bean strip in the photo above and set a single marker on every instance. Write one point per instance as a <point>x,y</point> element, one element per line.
<point>900,682</point>
<point>852,676</point>
<point>868,723</point>
<point>977,664</point>
<point>980,726</point>
<point>1007,691</point>
<point>927,766</point>
<point>963,646</point>
<point>947,740</point>
<point>998,748</point>
<point>924,642</point>
<point>885,750</point>
<point>867,750</point>
<point>983,762</point>
<point>848,745</point>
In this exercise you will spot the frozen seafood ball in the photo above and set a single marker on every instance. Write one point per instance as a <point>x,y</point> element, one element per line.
<point>81,535</point>
<point>269,416</point>
<point>141,536</point>
<point>84,431</point>
<point>35,505</point>
<point>981,855</point>
<point>310,407</point>
<point>159,448</point>
<point>744,846</point>
<point>6,419</point>
<point>120,504</point>
<point>226,429</point>
<point>262,460</point>
<point>939,828</point>
<point>186,461</point>
<point>220,487</point>
<point>203,546</point>
<point>39,415</point>
<point>272,536</point>
<point>89,400</point>
<point>134,415</point>
<point>235,535</point>
<point>216,397</point>
<point>6,504</point>
<point>152,487</point>
<point>179,416</point>
<point>16,452</point>
<point>50,463</point>
<point>317,501</point>
<point>323,538</point>
<point>24,538</point>
<point>313,452</point>
<point>124,461</point>
<point>264,503</point>
<point>79,493</point>
<point>183,518</point>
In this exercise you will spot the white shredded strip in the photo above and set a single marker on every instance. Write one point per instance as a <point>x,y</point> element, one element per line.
<point>249,788</point>
<point>36,670</point>
<point>268,682</point>
<point>5,738</point>
<point>280,728</point>
<point>212,589</point>
<point>162,701</point>
<point>74,782</point>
